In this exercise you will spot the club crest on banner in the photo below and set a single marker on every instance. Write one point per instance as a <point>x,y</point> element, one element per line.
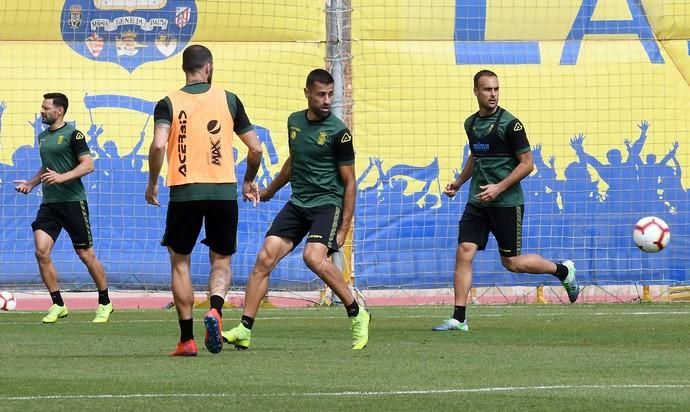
<point>128,32</point>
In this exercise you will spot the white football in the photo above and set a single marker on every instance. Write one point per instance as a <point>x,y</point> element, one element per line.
<point>651,234</point>
<point>7,301</point>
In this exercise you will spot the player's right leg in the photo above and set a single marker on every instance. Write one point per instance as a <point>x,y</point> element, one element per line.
<point>44,245</point>
<point>473,234</point>
<point>462,284</point>
<point>287,230</point>
<point>182,226</point>
<point>273,250</point>
<point>183,296</point>
<point>46,230</point>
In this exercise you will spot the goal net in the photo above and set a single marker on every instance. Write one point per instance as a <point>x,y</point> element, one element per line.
<point>600,86</point>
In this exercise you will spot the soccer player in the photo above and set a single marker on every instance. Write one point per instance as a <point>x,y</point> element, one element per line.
<point>500,159</point>
<point>65,158</point>
<point>320,170</point>
<point>196,123</point>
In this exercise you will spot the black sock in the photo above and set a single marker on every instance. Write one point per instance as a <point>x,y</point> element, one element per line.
<point>186,329</point>
<point>561,271</point>
<point>103,298</point>
<point>57,298</point>
<point>217,303</point>
<point>247,322</point>
<point>459,313</point>
<point>352,309</point>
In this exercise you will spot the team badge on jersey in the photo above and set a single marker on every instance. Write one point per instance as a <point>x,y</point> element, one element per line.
<point>517,127</point>
<point>322,139</point>
<point>128,32</point>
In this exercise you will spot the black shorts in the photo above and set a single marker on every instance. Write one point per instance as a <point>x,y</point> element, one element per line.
<point>504,222</point>
<point>72,216</point>
<point>183,224</point>
<point>321,222</point>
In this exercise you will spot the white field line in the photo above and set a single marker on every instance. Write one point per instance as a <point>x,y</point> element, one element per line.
<point>348,393</point>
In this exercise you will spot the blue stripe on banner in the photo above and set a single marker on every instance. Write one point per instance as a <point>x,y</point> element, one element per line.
<point>497,52</point>
<point>119,101</point>
<point>470,20</point>
<point>470,44</point>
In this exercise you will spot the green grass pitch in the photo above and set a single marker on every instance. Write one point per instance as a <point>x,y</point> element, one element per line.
<point>560,357</point>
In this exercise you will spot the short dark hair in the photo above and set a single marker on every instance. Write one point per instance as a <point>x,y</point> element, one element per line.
<point>195,57</point>
<point>319,75</point>
<point>59,100</point>
<point>481,74</point>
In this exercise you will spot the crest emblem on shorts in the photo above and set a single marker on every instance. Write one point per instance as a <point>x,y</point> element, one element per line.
<point>128,32</point>
<point>323,137</point>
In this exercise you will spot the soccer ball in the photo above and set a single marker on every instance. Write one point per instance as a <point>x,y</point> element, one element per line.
<point>651,234</point>
<point>7,301</point>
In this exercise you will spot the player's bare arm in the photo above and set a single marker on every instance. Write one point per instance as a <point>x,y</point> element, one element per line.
<point>281,180</point>
<point>26,186</point>
<point>161,132</point>
<point>465,175</point>
<point>250,190</point>
<point>347,174</point>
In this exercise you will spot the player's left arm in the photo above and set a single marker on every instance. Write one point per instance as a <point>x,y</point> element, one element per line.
<point>347,174</point>
<point>84,162</point>
<point>517,137</point>
<point>345,156</point>
<point>247,133</point>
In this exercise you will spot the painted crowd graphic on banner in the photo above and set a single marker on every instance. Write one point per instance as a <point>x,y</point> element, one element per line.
<point>403,207</point>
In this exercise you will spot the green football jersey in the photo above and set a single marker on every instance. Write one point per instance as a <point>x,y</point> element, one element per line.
<point>317,149</point>
<point>495,142</point>
<point>60,151</point>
